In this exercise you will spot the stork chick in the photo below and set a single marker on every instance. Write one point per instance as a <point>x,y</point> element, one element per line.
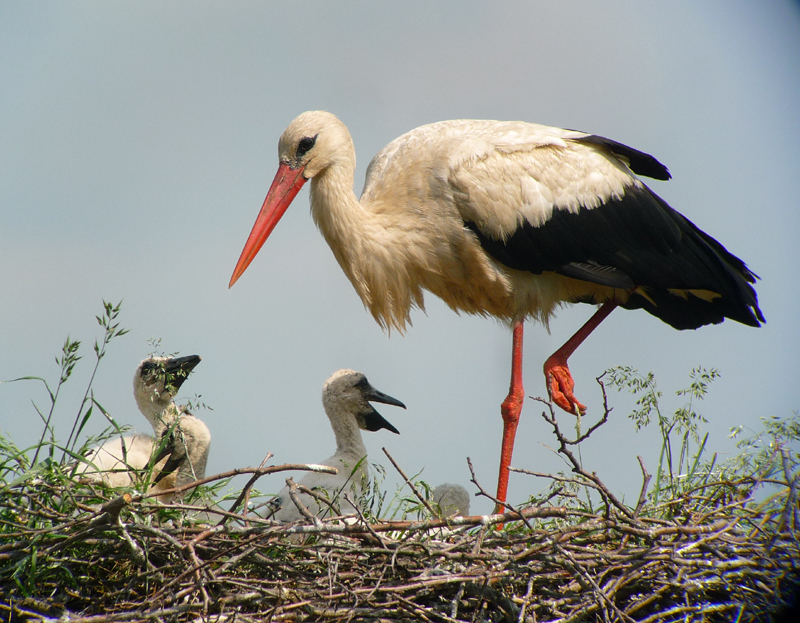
<point>452,500</point>
<point>180,444</point>
<point>346,398</point>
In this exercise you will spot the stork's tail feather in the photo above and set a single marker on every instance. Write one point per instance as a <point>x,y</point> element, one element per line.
<point>723,289</point>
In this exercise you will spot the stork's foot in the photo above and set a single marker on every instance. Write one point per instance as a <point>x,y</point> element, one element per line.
<point>560,385</point>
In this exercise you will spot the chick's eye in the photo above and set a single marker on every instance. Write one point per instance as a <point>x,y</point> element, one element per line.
<point>305,144</point>
<point>149,369</point>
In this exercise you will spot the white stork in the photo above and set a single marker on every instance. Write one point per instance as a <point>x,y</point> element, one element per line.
<point>178,449</point>
<point>505,219</point>
<point>346,397</point>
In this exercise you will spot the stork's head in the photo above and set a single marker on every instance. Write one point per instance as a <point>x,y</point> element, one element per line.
<point>158,379</point>
<point>349,391</point>
<point>313,142</point>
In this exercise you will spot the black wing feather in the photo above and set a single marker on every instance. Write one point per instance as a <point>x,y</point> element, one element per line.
<point>636,240</point>
<point>640,162</point>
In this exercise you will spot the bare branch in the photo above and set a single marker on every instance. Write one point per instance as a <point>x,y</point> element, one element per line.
<point>410,484</point>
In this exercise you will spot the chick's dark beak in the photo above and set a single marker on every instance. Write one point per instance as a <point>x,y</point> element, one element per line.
<point>375,421</point>
<point>373,395</point>
<point>179,368</point>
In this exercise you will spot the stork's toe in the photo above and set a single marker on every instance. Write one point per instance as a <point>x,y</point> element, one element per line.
<point>560,385</point>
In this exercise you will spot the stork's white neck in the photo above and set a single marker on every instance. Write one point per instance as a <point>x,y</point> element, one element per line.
<point>349,443</point>
<point>334,205</point>
<point>374,249</point>
<point>160,411</point>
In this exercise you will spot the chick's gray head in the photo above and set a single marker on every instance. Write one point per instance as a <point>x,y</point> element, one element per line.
<point>350,391</point>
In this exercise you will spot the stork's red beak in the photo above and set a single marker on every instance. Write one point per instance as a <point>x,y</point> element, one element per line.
<point>285,186</point>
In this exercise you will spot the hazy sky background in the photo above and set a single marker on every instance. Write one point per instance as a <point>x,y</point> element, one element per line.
<point>138,140</point>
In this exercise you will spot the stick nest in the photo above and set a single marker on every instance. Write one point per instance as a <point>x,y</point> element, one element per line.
<point>710,552</point>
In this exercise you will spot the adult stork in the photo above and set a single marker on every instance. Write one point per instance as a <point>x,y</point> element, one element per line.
<point>505,219</point>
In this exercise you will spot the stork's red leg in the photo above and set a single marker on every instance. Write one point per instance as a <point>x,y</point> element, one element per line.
<point>510,409</point>
<point>559,380</point>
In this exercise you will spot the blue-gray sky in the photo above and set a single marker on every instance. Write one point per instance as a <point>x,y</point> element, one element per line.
<point>138,141</point>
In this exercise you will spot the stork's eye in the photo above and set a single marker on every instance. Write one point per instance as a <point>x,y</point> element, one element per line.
<point>149,368</point>
<point>305,144</point>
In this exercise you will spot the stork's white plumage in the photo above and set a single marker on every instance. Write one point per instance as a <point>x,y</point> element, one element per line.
<point>346,397</point>
<point>180,442</point>
<point>505,219</point>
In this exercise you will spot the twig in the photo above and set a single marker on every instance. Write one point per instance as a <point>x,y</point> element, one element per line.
<point>245,493</point>
<point>424,526</point>
<point>642,498</point>
<point>135,550</point>
<point>456,601</point>
<point>643,493</point>
<point>109,512</point>
<point>576,466</point>
<point>420,497</point>
<point>364,522</point>
<point>321,499</point>
<point>260,471</point>
<point>498,503</point>
<point>299,504</point>
<point>581,572</point>
<point>525,601</point>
